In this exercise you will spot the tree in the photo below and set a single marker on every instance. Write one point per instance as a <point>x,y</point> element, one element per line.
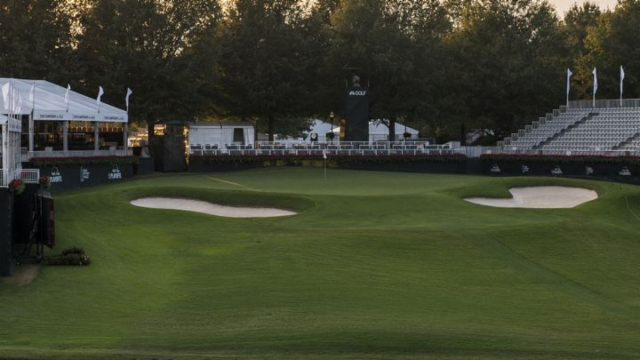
<point>578,22</point>
<point>36,39</point>
<point>614,42</point>
<point>266,61</point>
<point>392,43</point>
<point>508,63</point>
<point>161,49</point>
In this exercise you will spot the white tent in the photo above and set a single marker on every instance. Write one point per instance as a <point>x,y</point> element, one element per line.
<point>320,128</point>
<point>9,148</point>
<point>379,131</point>
<point>43,101</point>
<point>221,133</point>
<point>49,103</point>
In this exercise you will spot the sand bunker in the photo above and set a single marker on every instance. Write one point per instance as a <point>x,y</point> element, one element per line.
<point>209,208</point>
<point>541,197</point>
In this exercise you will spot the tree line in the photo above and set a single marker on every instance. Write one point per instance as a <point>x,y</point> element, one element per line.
<point>441,66</point>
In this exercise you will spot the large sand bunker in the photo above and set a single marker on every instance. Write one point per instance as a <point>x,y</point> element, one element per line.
<point>541,197</point>
<point>209,208</point>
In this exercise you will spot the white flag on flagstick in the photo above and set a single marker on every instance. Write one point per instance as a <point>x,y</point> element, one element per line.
<point>569,73</point>
<point>595,81</point>
<point>100,93</point>
<point>126,99</point>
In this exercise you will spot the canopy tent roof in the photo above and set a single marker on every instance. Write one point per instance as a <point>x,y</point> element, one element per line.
<point>49,103</point>
<point>377,127</point>
<point>14,125</point>
<point>223,124</point>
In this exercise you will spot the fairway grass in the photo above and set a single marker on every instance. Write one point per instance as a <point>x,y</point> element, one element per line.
<point>374,266</point>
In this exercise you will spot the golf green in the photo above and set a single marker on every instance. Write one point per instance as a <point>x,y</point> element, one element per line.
<point>374,265</point>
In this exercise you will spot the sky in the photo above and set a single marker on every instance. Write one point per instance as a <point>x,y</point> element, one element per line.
<point>563,5</point>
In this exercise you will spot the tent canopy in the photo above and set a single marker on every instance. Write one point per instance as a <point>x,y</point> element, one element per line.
<point>50,105</point>
<point>14,125</point>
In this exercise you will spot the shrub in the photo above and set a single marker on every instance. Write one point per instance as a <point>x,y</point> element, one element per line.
<point>73,250</point>
<point>69,260</point>
<point>94,160</point>
<point>73,256</point>
<point>17,186</point>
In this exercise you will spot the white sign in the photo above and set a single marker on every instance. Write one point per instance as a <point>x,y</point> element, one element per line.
<point>15,125</point>
<point>84,174</point>
<point>358,93</point>
<point>625,171</point>
<point>115,173</point>
<point>71,116</point>
<point>56,177</point>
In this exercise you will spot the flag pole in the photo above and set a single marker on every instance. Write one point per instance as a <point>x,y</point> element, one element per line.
<point>595,85</point>
<point>324,161</point>
<point>569,73</point>
<point>621,83</point>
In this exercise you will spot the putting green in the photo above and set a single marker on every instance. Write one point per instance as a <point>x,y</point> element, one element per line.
<point>375,265</point>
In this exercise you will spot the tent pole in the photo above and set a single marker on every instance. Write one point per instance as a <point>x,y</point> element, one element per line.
<point>65,136</point>
<point>96,136</point>
<point>125,135</point>
<point>31,133</point>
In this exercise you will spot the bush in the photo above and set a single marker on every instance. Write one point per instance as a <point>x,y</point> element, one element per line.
<point>93,160</point>
<point>73,256</point>
<point>73,250</point>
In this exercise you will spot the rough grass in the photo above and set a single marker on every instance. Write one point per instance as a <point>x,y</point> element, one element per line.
<point>376,265</point>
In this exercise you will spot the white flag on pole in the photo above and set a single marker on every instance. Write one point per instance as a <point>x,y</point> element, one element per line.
<point>100,93</point>
<point>15,100</point>
<point>32,93</point>
<point>126,99</point>
<point>66,96</point>
<point>569,73</point>
<point>595,81</point>
<point>5,95</point>
<point>621,79</point>
<point>19,106</point>
<point>324,154</point>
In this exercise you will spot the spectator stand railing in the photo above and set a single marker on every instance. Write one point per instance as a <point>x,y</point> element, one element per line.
<point>344,148</point>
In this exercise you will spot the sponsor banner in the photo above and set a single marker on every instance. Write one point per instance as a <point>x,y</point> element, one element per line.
<point>56,176</point>
<point>65,177</point>
<point>15,125</point>
<point>115,173</point>
<point>357,92</point>
<point>75,116</point>
<point>85,174</point>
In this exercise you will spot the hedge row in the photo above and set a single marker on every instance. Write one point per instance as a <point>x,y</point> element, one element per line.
<point>98,160</point>
<point>340,159</point>
<point>561,159</point>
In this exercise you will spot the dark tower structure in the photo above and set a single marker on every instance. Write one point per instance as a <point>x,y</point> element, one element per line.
<point>357,110</point>
<point>169,148</point>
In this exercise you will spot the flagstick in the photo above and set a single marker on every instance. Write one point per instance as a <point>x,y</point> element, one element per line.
<point>324,162</point>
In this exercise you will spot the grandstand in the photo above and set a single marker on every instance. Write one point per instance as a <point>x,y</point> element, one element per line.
<point>581,128</point>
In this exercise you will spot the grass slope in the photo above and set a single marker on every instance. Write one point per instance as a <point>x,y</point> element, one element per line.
<point>376,265</point>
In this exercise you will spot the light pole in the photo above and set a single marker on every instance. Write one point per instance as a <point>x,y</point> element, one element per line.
<point>331,134</point>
